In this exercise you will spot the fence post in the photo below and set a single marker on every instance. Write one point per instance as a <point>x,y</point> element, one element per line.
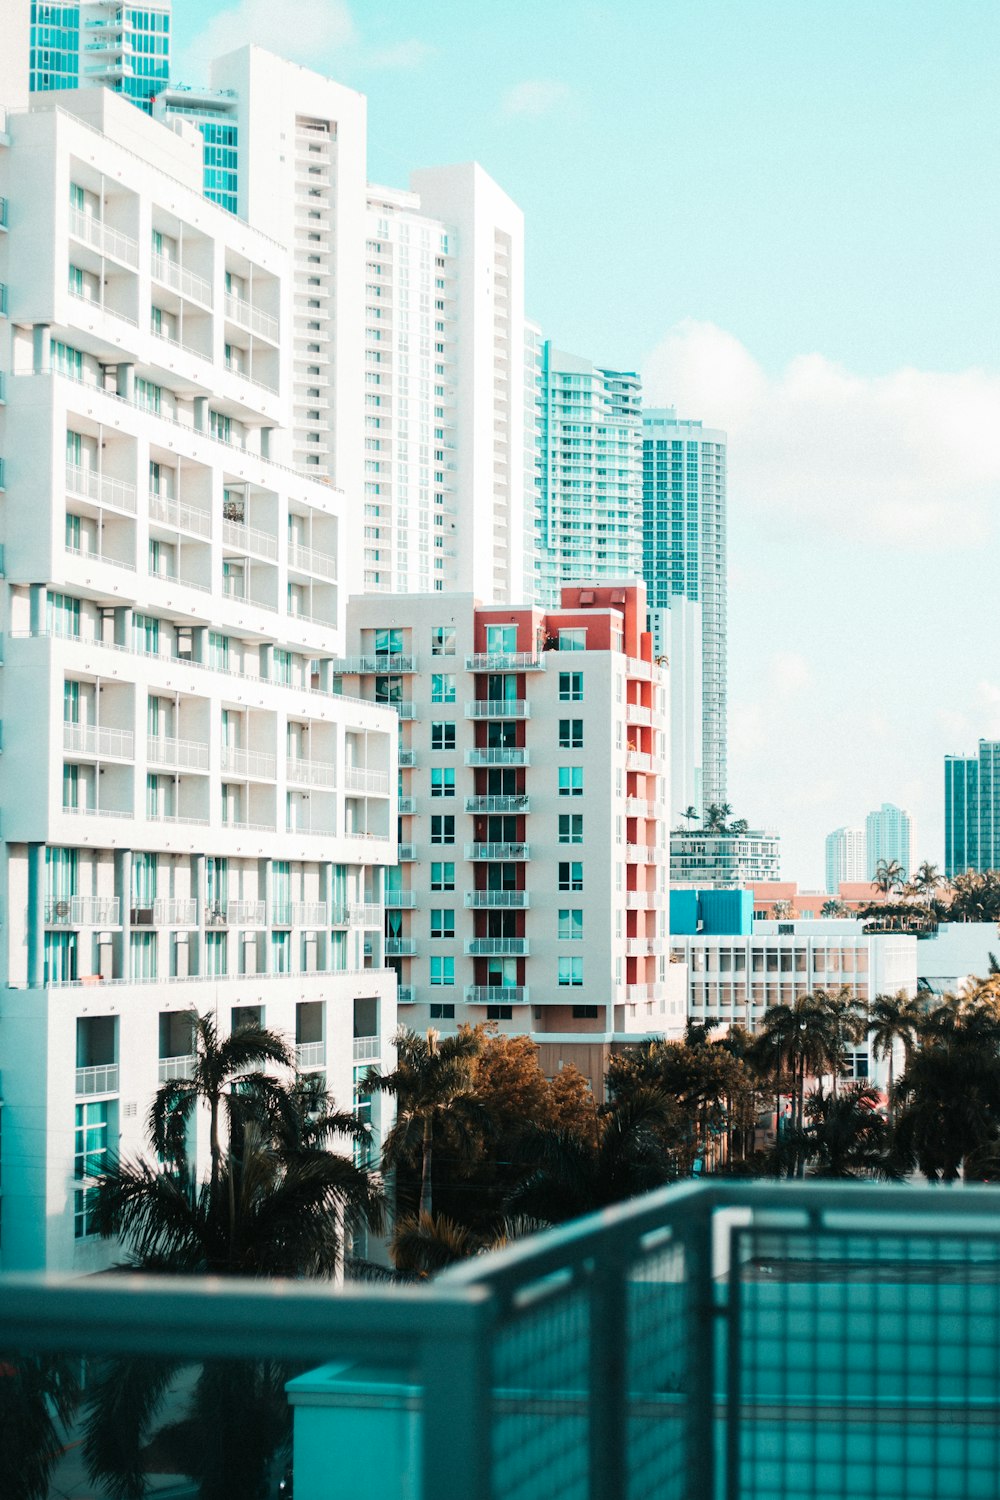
<point>608,1372</point>
<point>702,1342</point>
<point>456,1426</point>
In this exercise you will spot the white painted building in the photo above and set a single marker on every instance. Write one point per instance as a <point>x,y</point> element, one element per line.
<point>735,979</point>
<point>190,817</point>
<point>846,861</point>
<point>532,884</point>
<point>889,837</point>
<point>724,859</point>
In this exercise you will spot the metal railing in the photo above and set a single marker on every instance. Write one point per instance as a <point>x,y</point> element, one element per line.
<point>365,914</point>
<point>511,802</point>
<point>169,273</point>
<point>497,947</point>
<point>305,772</point>
<point>401,900</point>
<point>356,665</point>
<point>172,1068</point>
<point>100,488</point>
<point>498,708</point>
<point>503,755</point>
<point>175,911</point>
<point>361,779</point>
<point>505,661</point>
<point>367,1048</point>
<point>177,513</point>
<point>243,312</point>
<point>498,851</point>
<point>83,911</point>
<point>310,560</point>
<point>496,994</point>
<point>98,739</point>
<point>720,1340</point>
<point>102,1079</point>
<point>250,539</point>
<point>400,947</point>
<point>516,900</point>
<point>103,237</point>
<point>186,755</point>
<point>310,1054</point>
<point>250,763</point>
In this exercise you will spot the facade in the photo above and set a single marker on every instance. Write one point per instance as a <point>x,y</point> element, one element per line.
<point>214,113</point>
<point>532,884</point>
<point>589,455</point>
<point>88,44</point>
<point>772,898</point>
<point>889,836</point>
<point>684,529</point>
<point>191,817</point>
<point>845,856</point>
<point>735,979</point>
<point>698,858</point>
<point>972,810</point>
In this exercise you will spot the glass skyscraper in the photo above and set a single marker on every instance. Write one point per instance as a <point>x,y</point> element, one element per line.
<point>972,810</point>
<point>684,559</point>
<point>125,48</point>
<point>215,113</point>
<point>589,494</point>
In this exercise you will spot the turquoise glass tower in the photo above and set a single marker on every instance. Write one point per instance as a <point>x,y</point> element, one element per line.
<point>972,810</point>
<point>102,43</point>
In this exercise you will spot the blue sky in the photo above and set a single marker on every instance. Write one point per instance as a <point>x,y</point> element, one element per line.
<point>787,216</point>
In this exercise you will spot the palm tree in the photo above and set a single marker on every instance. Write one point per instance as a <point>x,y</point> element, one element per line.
<point>432,1086</point>
<point>928,879</point>
<point>889,876</point>
<point>38,1396</point>
<point>833,908</point>
<point>783,910</point>
<point>715,817</point>
<point>949,1096</point>
<point>891,1019</point>
<point>846,1136</point>
<point>691,813</point>
<point>846,1020</point>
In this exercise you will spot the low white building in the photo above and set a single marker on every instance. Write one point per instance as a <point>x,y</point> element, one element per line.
<point>956,953</point>
<point>724,859</point>
<point>191,818</point>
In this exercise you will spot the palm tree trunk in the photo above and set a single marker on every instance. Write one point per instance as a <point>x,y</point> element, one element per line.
<point>426,1167</point>
<point>892,1080</point>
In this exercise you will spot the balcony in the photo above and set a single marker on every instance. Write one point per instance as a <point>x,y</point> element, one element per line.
<point>310,1054</point>
<point>400,947</point>
<point>645,900</point>
<point>503,755</point>
<point>361,780</point>
<point>505,661</point>
<point>512,803</point>
<point>497,947</point>
<point>244,913</point>
<point>407,757</point>
<point>170,1069</point>
<point>351,666</point>
<point>405,994</point>
<point>102,1079</point>
<point>185,755</point>
<point>637,807</point>
<point>169,911</point>
<point>93,231</point>
<point>255,765</point>
<point>309,560</point>
<point>365,914</point>
<point>302,772</point>
<point>176,513</point>
<point>498,708</point>
<point>238,310</point>
<point>497,851</point>
<point>406,853</point>
<point>367,1049</point>
<point>83,911</point>
<point>637,760</point>
<point>309,914</point>
<point>406,807</point>
<point>719,1338</point>
<point>637,714</point>
<point>169,273</point>
<point>88,484</point>
<point>400,900</point>
<point>497,900</point>
<point>249,539</point>
<point>496,994</point>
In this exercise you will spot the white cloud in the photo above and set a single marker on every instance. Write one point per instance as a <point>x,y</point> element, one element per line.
<point>911,458</point>
<point>534,97</point>
<point>402,55</point>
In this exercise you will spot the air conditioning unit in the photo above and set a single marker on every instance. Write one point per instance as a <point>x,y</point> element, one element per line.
<point>141,916</point>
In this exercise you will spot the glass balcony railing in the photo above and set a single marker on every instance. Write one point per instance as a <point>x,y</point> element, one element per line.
<point>721,1340</point>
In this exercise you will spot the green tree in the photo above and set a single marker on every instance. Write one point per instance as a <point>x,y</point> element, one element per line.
<point>975,897</point>
<point>889,876</point>
<point>834,908</point>
<point>845,1137</point>
<point>38,1397</point>
<point>432,1084</point>
<point>927,879</point>
<point>891,1019</point>
<point>949,1096</point>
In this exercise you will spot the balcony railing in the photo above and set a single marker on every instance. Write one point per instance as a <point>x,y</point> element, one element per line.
<point>505,661</point>
<point>169,273</point>
<point>102,1079</point>
<point>355,665</point>
<point>401,900</point>
<point>361,779</point>
<point>254,764</point>
<point>176,513</point>
<point>245,913</point>
<point>503,755</point>
<point>511,900</point>
<point>309,913</point>
<point>250,539</point>
<point>99,740</point>
<point>101,488</point>
<point>303,772</point>
<point>407,853</point>
<point>365,914</point>
<point>367,1048</point>
<point>496,994</point>
<point>400,947</point>
<point>746,1340</point>
<point>497,851</point>
<point>175,911</point>
<point>83,911</point>
<point>497,947</point>
<point>498,708</point>
<point>172,1068</point>
<point>247,316</point>
<point>311,560</point>
<point>103,237</point>
<point>510,803</point>
<point>310,1054</point>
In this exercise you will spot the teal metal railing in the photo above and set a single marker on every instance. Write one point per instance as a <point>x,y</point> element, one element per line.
<point>712,1341</point>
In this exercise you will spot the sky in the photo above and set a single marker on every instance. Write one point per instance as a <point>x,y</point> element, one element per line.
<point>786,215</point>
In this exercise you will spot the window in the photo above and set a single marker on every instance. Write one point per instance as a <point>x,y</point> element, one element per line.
<point>571,781</point>
<point>441,1012</point>
<point>442,687</point>
<point>571,734</point>
<point>442,969</point>
<point>90,1155</point>
<point>281,666</point>
<point>570,971</point>
<point>584,1012</point>
<point>388,643</point>
<point>443,829</point>
<point>501,640</point>
<point>442,736</point>
<point>442,876</point>
<point>216,944</point>
<point>148,395</point>
<point>142,946</point>
<point>571,828</point>
<point>218,651</point>
<point>571,875</point>
<point>281,952</point>
<point>442,922</point>
<point>443,781</point>
<point>442,640</point>
<point>572,640</point>
<point>499,1013</point>
<point>62,615</point>
<point>570,924</point>
<point>146,633</point>
<point>570,687</point>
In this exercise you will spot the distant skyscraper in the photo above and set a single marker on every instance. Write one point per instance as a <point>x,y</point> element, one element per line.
<point>101,43</point>
<point>888,836</point>
<point>845,857</point>
<point>972,810</point>
<point>684,557</point>
<point>589,498</point>
<point>214,112</point>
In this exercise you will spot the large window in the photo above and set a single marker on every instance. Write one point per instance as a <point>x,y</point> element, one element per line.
<point>62,615</point>
<point>571,875</point>
<point>442,875</point>
<point>570,971</point>
<point>572,640</point>
<point>442,781</point>
<point>571,828</point>
<point>571,734</point>
<point>501,640</point>
<point>442,640</point>
<point>90,1157</point>
<point>442,922</point>
<point>142,947</point>
<point>571,781</point>
<point>442,687</point>
<point>571,924</point>
<point>442,736</point>
<point>216,954</point>
<point>443,828</point>
<point>442,969</point>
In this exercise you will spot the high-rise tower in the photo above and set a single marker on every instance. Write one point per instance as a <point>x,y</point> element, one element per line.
<point>972,810</point>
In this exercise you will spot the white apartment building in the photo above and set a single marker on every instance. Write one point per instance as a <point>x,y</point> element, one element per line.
<point>589,491</point>
<point>724,859</point>
<point>532,884</point>
<point>845,857</point>
<point>190,817</point>
<point>889,837</point>
<point>84,44</point>
<point>735,979</point>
